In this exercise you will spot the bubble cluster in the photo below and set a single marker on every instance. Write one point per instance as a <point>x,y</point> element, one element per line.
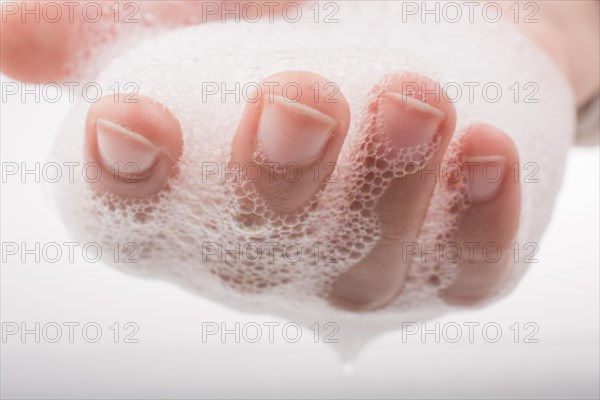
<point>221,238</point>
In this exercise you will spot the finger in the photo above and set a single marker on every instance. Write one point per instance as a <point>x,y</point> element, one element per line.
<point>135,146</point>
<point>416,122</point>
<point>288,134</point>
<point>490,223</point>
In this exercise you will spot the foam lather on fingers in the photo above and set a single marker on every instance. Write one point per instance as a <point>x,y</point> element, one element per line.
<point>177,233</point>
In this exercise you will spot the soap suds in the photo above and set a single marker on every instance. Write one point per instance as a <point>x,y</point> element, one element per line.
<point>177,230</point>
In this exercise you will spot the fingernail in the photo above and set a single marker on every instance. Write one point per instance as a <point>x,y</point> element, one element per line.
<point>125,151</point>
<point>409,122</point>
<point>292,132</point>
<point>485,176</point>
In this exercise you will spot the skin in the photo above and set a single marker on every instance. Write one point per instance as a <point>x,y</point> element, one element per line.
<point>568,33</point>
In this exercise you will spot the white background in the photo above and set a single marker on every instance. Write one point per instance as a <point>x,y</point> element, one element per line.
<point>560,294</point>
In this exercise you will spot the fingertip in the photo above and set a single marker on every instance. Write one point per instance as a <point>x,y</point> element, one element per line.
<point>298,119</point>
<point>136,145</point>
<point>33,48</point>
<point>491,163</point>
<point>426,91</point>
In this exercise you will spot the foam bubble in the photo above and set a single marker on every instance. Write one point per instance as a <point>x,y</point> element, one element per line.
<point>173,229</point>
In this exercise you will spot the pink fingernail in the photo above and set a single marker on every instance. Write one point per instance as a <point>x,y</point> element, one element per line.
<point>293,132</point>
<point>409,122</point>
<point>485,174</point>
<point>125,151</point>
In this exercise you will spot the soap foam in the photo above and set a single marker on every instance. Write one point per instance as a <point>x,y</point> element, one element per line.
<point>366,44</point>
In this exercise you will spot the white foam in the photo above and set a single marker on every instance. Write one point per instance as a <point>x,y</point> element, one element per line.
<point>367,43</point>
